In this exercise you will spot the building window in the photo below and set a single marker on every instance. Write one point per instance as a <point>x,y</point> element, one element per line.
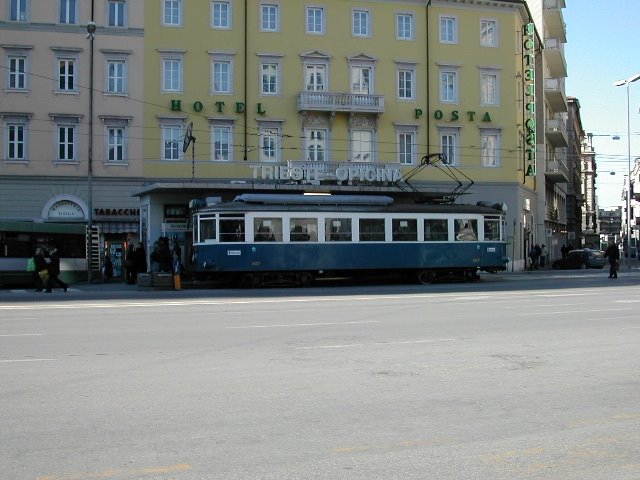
<point>314,78</point>
<point>68,11</point>
<point>362,146</point>
<point>16,142</point>
<point>361,80</point>
<point>221,77</point>
<point>489,88</point>
<point>221,15</point>
<point>117,13</point>
<point>448,30</point>
<point>405,84</point>
<point>221,143</point>
<point>361,23</point>
<point>172,75</point>
<point>269,18</point>
<point>404,26</point>
<point>17,73</point>
<point>269,78</point>
<point>18,10</point>
<point>172,13</point>
<point>66,74</point>
<point>449,145</point>
<point>406,148</point>
<point>488,33</point>
<point>269,144</point>
<point>490,148</point>
<point>316,145</point>
<point>172,138</point>
<point>66,143</point>
<point>116,76</point>
<point>115,144</point>
<point>315,20</point>
<point>448,86</point>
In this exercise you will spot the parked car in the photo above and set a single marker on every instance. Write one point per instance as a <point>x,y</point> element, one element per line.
<point>581,258</point>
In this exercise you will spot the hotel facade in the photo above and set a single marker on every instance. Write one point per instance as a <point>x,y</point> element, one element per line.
<point>430,100</point>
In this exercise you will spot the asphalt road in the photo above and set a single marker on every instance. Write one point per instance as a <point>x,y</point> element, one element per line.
<point>513,377</point>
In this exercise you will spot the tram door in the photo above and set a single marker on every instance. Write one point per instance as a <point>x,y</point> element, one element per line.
<point>116,251</point>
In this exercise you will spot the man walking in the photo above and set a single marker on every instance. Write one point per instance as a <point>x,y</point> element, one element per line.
<point>613,254</point>
<point>54,271</point>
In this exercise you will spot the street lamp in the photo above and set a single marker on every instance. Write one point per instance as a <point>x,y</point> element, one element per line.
<point>620,83</point>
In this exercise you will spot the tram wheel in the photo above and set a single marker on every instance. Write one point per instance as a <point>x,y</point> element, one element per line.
<point>305,279</point>
<point>426,277</point>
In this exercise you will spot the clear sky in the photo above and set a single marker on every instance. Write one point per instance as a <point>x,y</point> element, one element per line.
<point>603,46</point>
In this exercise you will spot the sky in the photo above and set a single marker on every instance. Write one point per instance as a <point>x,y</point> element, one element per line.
<point>603,46</point>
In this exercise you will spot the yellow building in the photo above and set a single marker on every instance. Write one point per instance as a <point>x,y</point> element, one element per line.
<point>337,96</point>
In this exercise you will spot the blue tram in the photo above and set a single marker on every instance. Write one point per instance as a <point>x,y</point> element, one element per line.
<point>264,239</point>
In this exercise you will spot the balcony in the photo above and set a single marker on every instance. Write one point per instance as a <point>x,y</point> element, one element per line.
<point>555,58</point>
<point>556,171</point>
<point>555,94</point>
<point>556,131</point>
<point>553,18</point>
<point>340,102</point>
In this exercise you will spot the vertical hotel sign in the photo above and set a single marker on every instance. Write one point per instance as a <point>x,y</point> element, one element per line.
<point>529,98</point>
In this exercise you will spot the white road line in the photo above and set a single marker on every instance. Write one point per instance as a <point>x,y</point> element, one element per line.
<point>29,360</point>
<point>316,324</point>
<point>576,311</point>
<point>21,335</point>
<point>375,344</point>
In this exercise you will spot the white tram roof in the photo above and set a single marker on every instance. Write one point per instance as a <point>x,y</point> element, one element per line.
<point>257,202</point>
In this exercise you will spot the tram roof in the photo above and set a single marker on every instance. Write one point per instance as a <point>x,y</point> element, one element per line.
<point>327,203</point>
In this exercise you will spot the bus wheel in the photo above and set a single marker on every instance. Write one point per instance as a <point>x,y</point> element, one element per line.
<point>426,277</point>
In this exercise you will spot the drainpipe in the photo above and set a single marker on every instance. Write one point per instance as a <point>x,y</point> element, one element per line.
<point>246,65</point>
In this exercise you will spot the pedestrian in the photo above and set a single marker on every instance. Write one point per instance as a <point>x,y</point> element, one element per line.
<point>54,271</point>
<point>39,273</point>
<point>564,251</point>
<point>533,257</point>
<point>177,270</point>
<point>613,254</point>
<point>108,268</point>
<point>543,255</point>
<point>130,265</point>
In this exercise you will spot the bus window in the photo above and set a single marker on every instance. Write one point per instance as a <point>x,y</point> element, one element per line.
<point>267,229</point>
<point>492,229</point>
<point>372,229</point>
<point>436,230</point>
<point>304,230</point>
<point>466,229</point>
<point>337,229</point>
<point>404,230</point>
<point>231,230</point>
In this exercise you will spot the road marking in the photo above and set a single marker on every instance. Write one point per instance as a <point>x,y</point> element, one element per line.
<point>303,324</point>
<point>576,311</point>
<point>121,473</point>
<point>352,345</point>
<point>21,335</point>
<point>29,360</point>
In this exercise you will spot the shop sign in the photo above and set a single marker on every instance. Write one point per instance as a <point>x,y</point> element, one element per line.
<point>219,107</point>
<point>319,171</point>
<point>117,212</point>
<point>174,227</point>
<point>529,78</point>
<point>66,209</point>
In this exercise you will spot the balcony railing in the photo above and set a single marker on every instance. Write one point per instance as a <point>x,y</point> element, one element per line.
<point>556,131</point>
<point>340,102</point>
<point>553,18</point>
<point>554,92</point>
<point>554,55</point>
<point>557,171</point>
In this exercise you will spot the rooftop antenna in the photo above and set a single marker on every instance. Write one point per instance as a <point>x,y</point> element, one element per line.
<point>189,139</point>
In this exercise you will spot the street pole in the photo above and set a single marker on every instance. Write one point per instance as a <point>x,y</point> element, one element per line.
<point>91,30</point>
<point>620,83</point>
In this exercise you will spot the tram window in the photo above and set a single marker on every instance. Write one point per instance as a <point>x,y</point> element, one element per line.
<point>207,227</point>
<point>372,229</point>
<point>404,230</point>
<point>466,229</point>
<point>436,230</point>
<point>304,230</point>
<point>492,229</point>
<point>337,229</point>
<point>232,230</point>
<point>267,229</point>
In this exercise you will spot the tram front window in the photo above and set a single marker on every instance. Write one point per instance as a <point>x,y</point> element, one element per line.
<point>492,229</point>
